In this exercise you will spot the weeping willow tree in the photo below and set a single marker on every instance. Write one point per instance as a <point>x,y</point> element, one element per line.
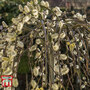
<point>57,47</point>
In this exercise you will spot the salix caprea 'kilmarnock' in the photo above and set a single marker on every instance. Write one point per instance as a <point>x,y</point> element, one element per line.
<point>58,48</point>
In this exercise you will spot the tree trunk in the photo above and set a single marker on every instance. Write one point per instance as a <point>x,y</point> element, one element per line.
<point>51,67</point>
<point>26,81</point>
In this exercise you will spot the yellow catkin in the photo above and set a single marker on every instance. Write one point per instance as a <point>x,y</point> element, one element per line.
<point>72,46</point>
<point>5,58</point>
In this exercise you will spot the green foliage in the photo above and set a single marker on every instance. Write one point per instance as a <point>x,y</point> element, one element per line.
<point>9,9</point>
<point>23,65</point>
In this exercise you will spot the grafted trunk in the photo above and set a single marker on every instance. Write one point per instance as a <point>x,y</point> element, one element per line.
<point>51,67</point>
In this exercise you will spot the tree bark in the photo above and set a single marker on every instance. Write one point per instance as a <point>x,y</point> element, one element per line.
<point>51,67</point>
<point>26,81</point>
